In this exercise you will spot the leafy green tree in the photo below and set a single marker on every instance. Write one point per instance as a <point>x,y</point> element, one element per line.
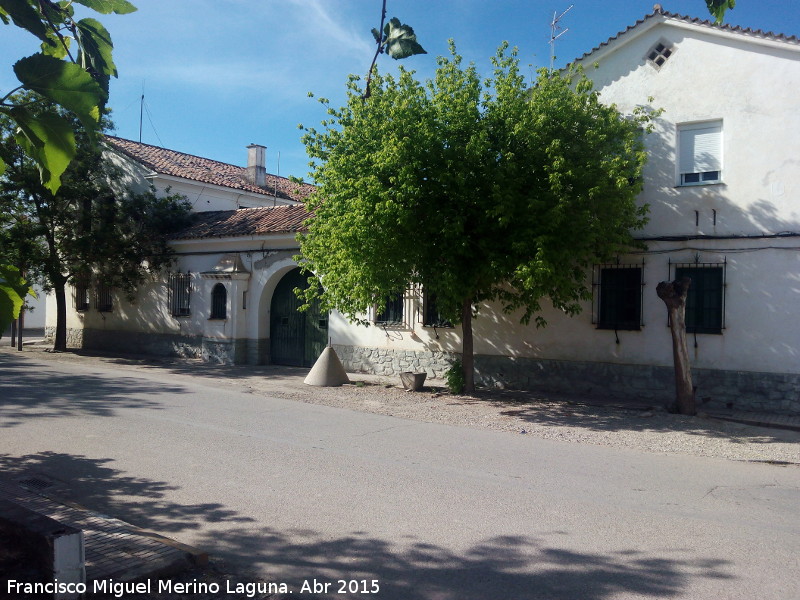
<point>475,190</point>
<point>88,229</point>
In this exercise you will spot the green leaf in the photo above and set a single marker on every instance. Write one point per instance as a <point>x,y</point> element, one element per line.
<point>105,7</point>
<point>64,83</point>
<point>49,140</point>
<point>26,17</point>
<point>377,35</point>
<point>13,289</point>
<point>717,8</point>
<point>2,166</point>
<point>401,41</point>
<point>97,46</point>
<point>58,49</point>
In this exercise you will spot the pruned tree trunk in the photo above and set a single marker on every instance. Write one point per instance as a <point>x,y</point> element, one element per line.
<point>467,355</point>
<point>674,293</point>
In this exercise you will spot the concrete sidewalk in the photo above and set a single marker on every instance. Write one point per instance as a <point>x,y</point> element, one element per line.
<point>114,549</point>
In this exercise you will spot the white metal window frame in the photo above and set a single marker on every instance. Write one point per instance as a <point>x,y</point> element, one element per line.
<point>700,153</point>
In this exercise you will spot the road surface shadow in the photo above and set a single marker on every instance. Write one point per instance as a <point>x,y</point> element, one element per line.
<point>95,484</point>
<point>516,567</point>
<point>31,390</point>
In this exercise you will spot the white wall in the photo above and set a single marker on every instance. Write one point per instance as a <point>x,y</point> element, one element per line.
<point>203,197</point>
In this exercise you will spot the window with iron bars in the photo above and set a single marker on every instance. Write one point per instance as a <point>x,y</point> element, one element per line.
<point>618,290</point>
<point>80,293</point>
<point>430,311</point>
<point>219,302</point>
<point>179,294</point>
<point>103,298</point>
<point>705,301</point>
<point>392,314</point>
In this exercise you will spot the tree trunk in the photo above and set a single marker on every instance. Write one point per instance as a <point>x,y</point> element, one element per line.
<point>673,293</point>
<point>467,356</point>
<point>13,333</point>
<point>60,343</point>
<point>20,327</point>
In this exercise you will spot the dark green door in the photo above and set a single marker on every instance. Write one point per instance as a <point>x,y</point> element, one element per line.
<point>296,338</point>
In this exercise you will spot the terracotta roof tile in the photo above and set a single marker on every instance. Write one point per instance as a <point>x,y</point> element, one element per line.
<point>768,35</point>
<point>246,222</point>
<point>205,170</point>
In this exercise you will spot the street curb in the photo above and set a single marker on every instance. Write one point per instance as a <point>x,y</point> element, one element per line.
<point>157,566</point>
<point>756,422</point>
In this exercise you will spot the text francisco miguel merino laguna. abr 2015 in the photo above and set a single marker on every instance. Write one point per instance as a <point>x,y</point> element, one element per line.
<point>120,589</point>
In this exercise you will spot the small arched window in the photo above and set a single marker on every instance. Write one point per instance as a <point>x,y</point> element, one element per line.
<point>219,302</point>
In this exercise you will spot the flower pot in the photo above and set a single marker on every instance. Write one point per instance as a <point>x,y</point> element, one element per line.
<point>413,381</point>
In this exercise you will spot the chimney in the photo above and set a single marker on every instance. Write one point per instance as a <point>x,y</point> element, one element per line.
<point>256,165</point>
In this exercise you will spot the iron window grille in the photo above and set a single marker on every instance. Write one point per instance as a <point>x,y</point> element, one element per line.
<point>80,291</point>
<point>431,317</point>
<point>219,302</point>
<point>180,294</point>
<point>618,291</point>
<point>103,298</point>
<point>705,301</point>
<point>392,314</point>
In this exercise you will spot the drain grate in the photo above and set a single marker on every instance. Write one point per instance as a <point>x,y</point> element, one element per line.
<point>36,483</point>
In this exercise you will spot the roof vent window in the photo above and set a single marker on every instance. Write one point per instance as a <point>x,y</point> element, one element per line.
<point>659,54</point>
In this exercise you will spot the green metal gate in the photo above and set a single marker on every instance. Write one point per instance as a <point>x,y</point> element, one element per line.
<point>296,338</point>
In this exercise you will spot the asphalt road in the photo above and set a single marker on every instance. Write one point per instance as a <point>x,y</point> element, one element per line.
<point>299,492</point>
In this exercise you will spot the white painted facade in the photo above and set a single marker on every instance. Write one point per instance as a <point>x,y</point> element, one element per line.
<point>747,223</point>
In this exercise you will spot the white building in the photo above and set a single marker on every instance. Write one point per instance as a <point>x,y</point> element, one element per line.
<point>722,182</point>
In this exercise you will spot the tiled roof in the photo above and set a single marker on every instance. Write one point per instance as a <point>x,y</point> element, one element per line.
<point>246,222</point>
<point>205,170</point>
<point>658,11</point>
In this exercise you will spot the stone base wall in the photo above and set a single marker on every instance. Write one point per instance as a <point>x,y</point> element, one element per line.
<point>229,352</point>
<point>383,361</point>
<point>155,344</point>
<point>258,352</point>
<point>777,393</point>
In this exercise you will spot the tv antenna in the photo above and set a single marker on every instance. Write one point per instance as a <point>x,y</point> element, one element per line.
<point>554,28</point>
<point>141,111</point>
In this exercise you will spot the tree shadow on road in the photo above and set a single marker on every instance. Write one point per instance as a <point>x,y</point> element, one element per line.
<point>95,484</point>
<point>27,392</point>
<point>519,567</point>
<point>516,567</point>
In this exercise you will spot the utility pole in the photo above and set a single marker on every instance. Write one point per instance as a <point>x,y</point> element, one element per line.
<point>554,28</point>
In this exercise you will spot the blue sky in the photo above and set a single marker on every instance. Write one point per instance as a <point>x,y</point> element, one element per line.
<point>218,75</point>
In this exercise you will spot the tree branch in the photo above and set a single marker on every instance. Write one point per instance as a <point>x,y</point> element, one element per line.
<point>377,52</point>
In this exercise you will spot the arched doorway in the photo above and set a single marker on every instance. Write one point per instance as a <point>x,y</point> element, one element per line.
<point>296,338</point>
